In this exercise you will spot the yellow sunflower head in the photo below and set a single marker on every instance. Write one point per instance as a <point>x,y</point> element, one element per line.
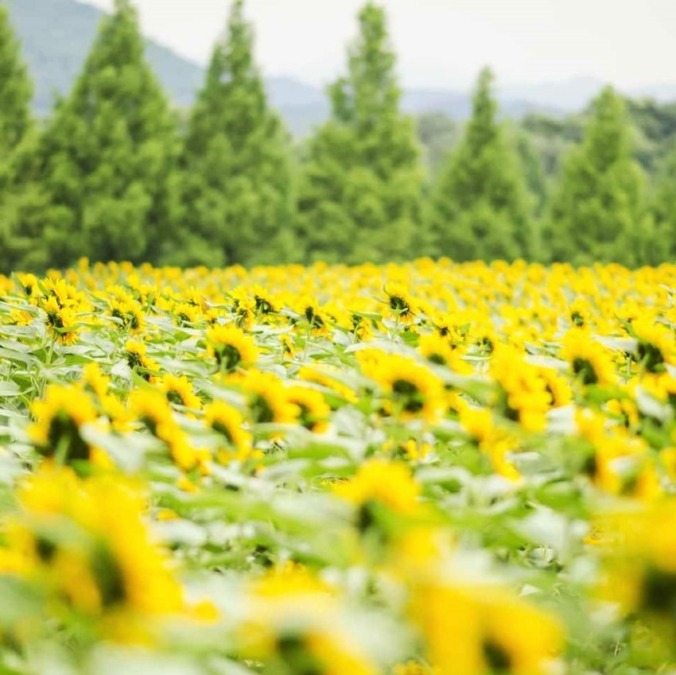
<point>314,411</point>
<point>268,398</point>
<point>389,484</point>
<point>138,359</point>
<point>231,347</point>
<point>87,543</point>
<point>656,345</point>
<point>226,420</point>
<point>59,417</point>
<point>400,302</point>
<point>179,391</point>
<point>589,359</point>
<point>410,389</point>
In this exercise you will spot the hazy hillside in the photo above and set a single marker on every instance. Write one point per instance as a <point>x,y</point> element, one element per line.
<point>57,34</point>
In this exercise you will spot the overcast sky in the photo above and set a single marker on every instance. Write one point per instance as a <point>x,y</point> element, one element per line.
<point>443,42</point>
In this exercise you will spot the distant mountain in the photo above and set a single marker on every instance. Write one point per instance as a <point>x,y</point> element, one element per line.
<point>569,95</point>
<point>57,35</point>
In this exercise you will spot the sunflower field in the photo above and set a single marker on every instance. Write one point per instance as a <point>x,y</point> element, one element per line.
<point>428,468</point>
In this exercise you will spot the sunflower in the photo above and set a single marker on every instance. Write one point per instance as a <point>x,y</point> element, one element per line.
<point>60,320</point>
<point>150,407</point>
<point>153,410</point>
<point>440,350</point>
<point>410,388</point>
<point>589,360</point>
<point>524,394</point>
<point>557,386</point>
<point>179,390</point>
<point>229,423</point>
<point>617,461</point>
<point>517,637</point>
<point>447,326</point>
<point>400,302</point>
<point>264,303</point>
<point>60,416</point>
<point>482,629</point>
<point>30,286</point>
<point>389,484</point>
<point>314,411</point>
<point>243,307</point>
<point>317,319</point>
<point>484,337</point>
<point>268,398</point>
<point>138,359</point>
<point>496,443</point>
<point>186,314</point>
<point>656,345</point>
<point>295,625</point>
<point>579,314</point>
<point>639,564</point>
<point>65,294</point>
<point>129,312</point>
<point>231,347</point>
<point>86,541</point>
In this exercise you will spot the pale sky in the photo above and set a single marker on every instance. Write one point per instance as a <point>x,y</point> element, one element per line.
<point>442,43</point>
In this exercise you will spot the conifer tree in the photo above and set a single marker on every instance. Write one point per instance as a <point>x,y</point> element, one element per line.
<point>238,194</point>
<point>360,195</point>
<point>16,89</point>
<point>107,157</point>
<point>16,92</point>
<point>663,212</point>
<point>480,206</point>
<point>597,209</point>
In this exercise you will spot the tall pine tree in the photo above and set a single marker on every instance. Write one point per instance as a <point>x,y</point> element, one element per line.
<point>107,157</point>
<point>480,206</point>
<point>16,89</point>
<point>597,209</point>
<point>16,127</point>
<point>663,212</point>
<point>360,195</point>
<point>238,196</point>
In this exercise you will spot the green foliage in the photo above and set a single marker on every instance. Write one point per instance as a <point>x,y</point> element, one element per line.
<point>106,158</point>
<point>15,126</point>
<point>597,211</point>
<point>655,131</point>
<point>663,209</point>
<point>480,206</point>
<point>532,164</point>
<point>238,184</point>
<point>361,192</point>
<point>107,176</point>
<point>16,89</point>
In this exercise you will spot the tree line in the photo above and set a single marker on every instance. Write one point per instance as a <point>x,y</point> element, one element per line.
<point>116,174</point>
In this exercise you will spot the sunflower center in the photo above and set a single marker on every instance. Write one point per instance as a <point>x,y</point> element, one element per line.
<point>651,357</point>
<point>499,661</point>
<point>413,401</point>
<point>228,356</point>
<point>63,429</point>
<point>261,411</point>
<point>659,592</point>
<point>109,577</point>
<point>585,370</point>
